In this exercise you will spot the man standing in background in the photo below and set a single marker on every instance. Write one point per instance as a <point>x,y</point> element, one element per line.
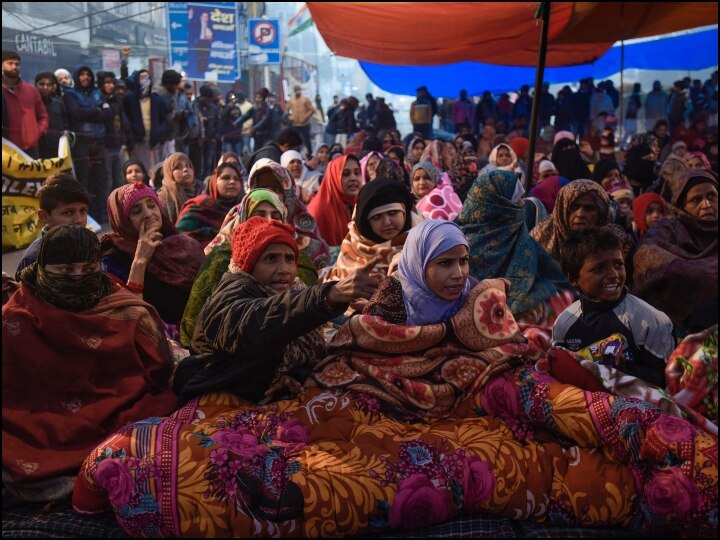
<point>300,109</point>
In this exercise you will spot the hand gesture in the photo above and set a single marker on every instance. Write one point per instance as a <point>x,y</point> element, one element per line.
<point>359,284</point>
<point>149,239</point>
<point>126,51</point>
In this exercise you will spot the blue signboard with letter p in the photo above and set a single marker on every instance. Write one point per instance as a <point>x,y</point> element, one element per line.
<point>264,41</point>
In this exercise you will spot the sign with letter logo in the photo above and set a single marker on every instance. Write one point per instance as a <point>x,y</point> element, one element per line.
<point>264,41</point>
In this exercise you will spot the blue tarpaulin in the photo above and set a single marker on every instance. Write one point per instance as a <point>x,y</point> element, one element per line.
<point>690,52</point>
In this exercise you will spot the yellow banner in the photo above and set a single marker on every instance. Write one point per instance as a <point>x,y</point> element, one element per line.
<point>22,178</point>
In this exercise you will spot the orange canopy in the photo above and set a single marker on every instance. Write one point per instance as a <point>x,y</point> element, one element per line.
<point>412,33</point>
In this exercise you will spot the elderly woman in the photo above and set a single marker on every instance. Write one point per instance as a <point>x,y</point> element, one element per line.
<point>257,336</point>
<point>492,220</point>
<point>580,204</point>
<point>268,174</point>
<point>381,221</point>
<point>202,216</point>
<point>333,205</point>
<point>96,355</point>
<point>147,252</point>
<point>434,193</point>
<point>178,184</point>
<point>676,263</point>
<point>432,280</point>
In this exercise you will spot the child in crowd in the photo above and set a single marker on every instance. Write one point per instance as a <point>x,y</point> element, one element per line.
<point>593,261</point>
<point>647,209</point>
<point>63,201</point>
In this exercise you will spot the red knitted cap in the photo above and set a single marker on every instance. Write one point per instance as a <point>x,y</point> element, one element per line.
<point>252,237</point>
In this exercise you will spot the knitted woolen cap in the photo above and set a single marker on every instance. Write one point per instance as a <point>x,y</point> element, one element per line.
<point>251,238</point>
<point>133,193</point>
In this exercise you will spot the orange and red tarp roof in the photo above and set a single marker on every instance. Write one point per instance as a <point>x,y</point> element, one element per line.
<point>505,33</point>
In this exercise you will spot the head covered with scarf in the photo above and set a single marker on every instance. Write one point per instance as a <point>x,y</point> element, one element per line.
<point>173,195</point>
<point>67,244</point>
<point>568,161</point>
<point>178,257</point>
<point>427,241</point>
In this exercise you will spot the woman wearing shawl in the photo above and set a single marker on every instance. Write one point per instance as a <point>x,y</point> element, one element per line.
<point>504,158</point>
<point>414,151</point>
<point>434,193</point>
<point>307,183</point>
<point>433,154</point>
<point>332,207</point>
<point>257,336</point>
<point>145,250</point>
<point>97,358</point>
<point>229,157</point>
<point>676,263</point>
<point>698,160</point>
<point>268,174</point>
<point>319,162</point>
<point>202,216</point>
<point>381,221</point>
<point>464,172</point>
<point>178,185</point>
<point>580,204</point>
<point>431,283</point>
<point>566,157</point>
<point>260,202</point>
<point>493,221</point>
<point>368,166</point>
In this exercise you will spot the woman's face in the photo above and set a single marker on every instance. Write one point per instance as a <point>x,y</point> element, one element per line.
<point>296,168</point>
<point>418,150</point>
<point>73,269</point>
<point>584,212</point>
<point>229,184</point>
<point>183,173</point>
<point>489,133</point>
<point>266,179</point>
<point>323,154</point>
<point>449,154</point>
<point>447,273</point>
<point>267,211</point>
<point>387,225</point>
<point>276,268</point>
<point>134,173</point>
<point>351,178</point>
<point>613,177</point>
<point>146,210</point>
<point>422,184</point>
<point>654,212</point>
<point>371,169</point>
<point>503,157</point>
<point>702,202</point>
<point>695,162</point>
<point>394,157</point>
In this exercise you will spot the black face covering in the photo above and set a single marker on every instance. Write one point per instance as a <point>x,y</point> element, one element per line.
<point>72,293</point>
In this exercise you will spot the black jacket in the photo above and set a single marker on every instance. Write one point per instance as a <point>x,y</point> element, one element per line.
<point>241,335</point>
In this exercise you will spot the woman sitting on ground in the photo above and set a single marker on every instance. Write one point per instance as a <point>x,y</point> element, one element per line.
<point>178,185</point>
<point>432,278</point>
<point>307,182</point>
<point>368,166</point>
<point>202,216</point>
<point>97,358</point>
<point>134,170</point>
<point>381,221</point>
<point>257,336</point>
<point>434,194</point>
<point>145,250</point>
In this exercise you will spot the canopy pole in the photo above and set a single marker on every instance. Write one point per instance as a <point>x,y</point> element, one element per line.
<point>621,120</point>
<point>543,13</point>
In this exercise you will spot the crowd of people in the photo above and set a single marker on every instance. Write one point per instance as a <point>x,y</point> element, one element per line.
<point>238,246</point>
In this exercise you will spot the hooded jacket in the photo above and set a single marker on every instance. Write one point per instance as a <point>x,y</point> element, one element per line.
<point>160,108</point>
<point>85,107</point>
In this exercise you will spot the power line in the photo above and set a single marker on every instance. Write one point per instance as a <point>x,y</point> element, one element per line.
<point>75,18</point>
<point>111,22</point>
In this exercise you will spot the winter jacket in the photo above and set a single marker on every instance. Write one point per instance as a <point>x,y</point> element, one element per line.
<point>24,116</point>
<point>57,124</point>
<point>241,335</point>
<point>159,110</point>
<point>85,108</point>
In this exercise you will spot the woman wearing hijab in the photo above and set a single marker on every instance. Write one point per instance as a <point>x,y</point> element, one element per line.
<point>566,157</point>
<point>434,193</point>
<point>647,209</point>
<point>147,252</point>
<point>368,166</point>
<point>307,182</point>
<point>433,154</point>
<point>464,172</point>
<point>676,263</point>
<point>260,202</point>
<point>202,216</point>
<point>333,205</point>
<point>381,221</point>
<point>504,158</point>
<point>639,168</point>
<point>431,283</point>
<point>265,173</point>
<point>178,184</point>
<point>493,221</point>
<point>97,357</point>
<point>414,151</point>
<point>580,204</point>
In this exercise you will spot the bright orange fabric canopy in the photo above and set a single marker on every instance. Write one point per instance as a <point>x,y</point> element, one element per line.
<point>411,33</point>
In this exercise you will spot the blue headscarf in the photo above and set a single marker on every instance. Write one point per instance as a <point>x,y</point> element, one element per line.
<point>425,242</point>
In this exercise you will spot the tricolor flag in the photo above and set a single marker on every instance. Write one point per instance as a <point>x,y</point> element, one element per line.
<point>301,21</point>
